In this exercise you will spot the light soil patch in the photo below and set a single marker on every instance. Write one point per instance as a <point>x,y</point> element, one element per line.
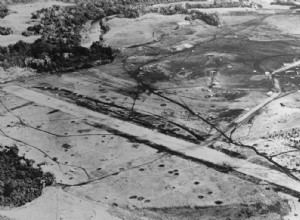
<point>286,23</point>
<point>127,32</point>
<point>234,20</point>
<point>90,33</point>
<point>57,204</point>
<point>14,73</point>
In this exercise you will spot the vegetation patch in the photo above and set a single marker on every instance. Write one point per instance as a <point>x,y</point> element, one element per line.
<point>283,2</point>
<point>5,31</point>
<point>59,48</point>
<point>20,182</point>
<point>209,18</point>
<point>3,10</point>
<point>223,4</point>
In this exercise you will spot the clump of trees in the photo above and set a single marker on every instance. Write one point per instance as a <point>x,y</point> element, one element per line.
<point>5,31</point>
<point>3,10</point>
<point>219,4</point>
<point>63,24</point>
<point>20,182</point>
<point>211,19</point>
<point>286,3</point>
<point>59,48</point>
<point>135,3</point>
<point>47,57</point>
<point>283,2</point>
<point>169,10</point>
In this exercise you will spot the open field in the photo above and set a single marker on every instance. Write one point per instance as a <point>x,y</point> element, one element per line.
<point>181,125</point>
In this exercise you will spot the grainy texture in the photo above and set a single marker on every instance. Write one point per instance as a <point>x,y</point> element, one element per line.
<point>19,181</point>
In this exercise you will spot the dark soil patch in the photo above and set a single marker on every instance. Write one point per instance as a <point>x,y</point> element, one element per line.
<point>230,95</point>
<point>234,95</point>
<point>53,111</point>
<point>231,153</point>
<point>230,114</point>
<point>19,181</point>
<point>66,146</point>
<point>84,131</point>
<point>218,202</point>
<point>153,75</point>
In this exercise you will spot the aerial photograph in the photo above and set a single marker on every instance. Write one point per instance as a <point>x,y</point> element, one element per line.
<point>149,110</point>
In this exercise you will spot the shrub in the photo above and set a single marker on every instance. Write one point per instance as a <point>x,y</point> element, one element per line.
<point>5,31</point>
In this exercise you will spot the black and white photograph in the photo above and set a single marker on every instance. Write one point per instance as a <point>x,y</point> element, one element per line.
<point>149,110</point>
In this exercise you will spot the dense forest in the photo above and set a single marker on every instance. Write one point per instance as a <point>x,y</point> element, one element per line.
<point>20,181</point>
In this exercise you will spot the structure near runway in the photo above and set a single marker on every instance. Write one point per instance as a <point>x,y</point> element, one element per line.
<point>274,76</point>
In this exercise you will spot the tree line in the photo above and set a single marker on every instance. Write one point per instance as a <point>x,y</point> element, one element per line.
<point>59,48</point>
